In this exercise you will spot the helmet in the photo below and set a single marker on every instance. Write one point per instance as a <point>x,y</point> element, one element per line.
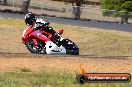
<point>30,18</point>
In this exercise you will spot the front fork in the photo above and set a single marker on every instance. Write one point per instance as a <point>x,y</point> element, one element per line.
<point>38,46</point>
<point>35,42</point>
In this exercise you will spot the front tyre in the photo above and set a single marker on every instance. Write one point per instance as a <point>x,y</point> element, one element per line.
<point>39,48</point>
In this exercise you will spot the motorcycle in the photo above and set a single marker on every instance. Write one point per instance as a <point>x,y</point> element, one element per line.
<point>39,41</point>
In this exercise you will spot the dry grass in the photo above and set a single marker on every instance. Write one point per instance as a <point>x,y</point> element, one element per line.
<point>67,64</point>
<point>57,72</point>
<point>90,41</point>
<point>100,42</point>
<point>10,36</point>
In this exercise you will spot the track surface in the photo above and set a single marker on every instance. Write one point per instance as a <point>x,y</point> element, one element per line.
<point>34,62</point>
<point>13,55</point>
<point>93,24</point>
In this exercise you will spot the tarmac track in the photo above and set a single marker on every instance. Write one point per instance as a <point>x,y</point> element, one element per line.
<point>30,55</point>
<point>92,23</point>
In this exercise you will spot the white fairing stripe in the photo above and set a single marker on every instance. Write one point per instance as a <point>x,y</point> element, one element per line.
<point>41,21</point>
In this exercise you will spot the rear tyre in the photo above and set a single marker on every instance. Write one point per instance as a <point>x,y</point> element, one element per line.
<point>71,47</point>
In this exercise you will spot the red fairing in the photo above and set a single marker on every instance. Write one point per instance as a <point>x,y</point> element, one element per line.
<point>29,33</point>
<point>26,33</point>
<point>60,31</point>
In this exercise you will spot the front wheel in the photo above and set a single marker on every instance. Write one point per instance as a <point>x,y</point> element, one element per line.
<point>39,48</point>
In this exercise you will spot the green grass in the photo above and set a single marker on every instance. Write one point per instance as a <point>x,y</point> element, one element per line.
<point>48,79</point>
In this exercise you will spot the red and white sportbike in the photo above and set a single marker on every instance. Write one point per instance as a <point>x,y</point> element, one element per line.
<point>39,41</point>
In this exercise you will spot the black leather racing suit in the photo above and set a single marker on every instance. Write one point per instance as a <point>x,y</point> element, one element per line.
<point>44,25</point>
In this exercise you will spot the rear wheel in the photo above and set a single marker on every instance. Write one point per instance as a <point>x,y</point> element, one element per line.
<point>39,48</point>
<point>71,47</point>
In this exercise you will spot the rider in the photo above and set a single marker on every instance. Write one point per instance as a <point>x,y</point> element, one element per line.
<point>31,20</point>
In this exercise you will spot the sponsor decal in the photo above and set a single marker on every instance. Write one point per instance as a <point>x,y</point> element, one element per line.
<point>108,77</point>
<point>39,34</point>
<point>55,50</point>
<point>83,77</point>
<point>36,32</point>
